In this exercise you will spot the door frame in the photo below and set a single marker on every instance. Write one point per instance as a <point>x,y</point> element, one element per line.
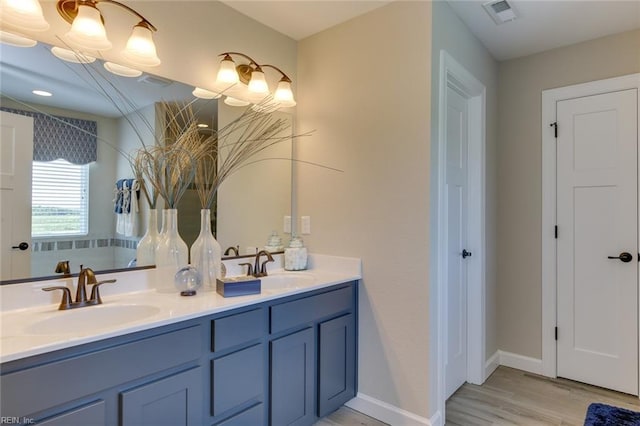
<point>454,74</point>
<point>549,177</point>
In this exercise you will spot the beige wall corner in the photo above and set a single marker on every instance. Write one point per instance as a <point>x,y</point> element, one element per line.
<point>365,89</point>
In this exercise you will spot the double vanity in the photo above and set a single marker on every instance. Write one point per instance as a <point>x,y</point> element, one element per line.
<point>286,356</point>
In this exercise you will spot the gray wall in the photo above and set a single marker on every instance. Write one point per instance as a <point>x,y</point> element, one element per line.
<point>521,82</point>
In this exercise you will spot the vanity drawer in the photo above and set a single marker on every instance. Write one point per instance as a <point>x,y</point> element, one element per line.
<point>290,314</point>
<point>38,388</point>
<point>233,330</point>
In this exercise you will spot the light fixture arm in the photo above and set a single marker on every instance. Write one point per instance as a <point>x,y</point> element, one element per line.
<point>68,9</point>
<point>250,59</point>
<point>284,76</point>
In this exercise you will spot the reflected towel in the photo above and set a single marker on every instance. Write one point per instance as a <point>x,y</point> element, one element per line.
<point>126,206</point>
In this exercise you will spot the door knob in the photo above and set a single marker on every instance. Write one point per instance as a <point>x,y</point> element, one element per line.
<point>465,253</point>
<point>624,256</point>
<point>22,246</point>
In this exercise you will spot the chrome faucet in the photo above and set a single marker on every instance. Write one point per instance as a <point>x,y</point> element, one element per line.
<point>85,277</point>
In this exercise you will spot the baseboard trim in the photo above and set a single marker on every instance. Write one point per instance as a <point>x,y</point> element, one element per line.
<point>521,362</point>
<point>491,365</point>
<point>389,413</point>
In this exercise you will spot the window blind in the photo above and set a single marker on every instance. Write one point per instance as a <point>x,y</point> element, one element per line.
<point>59,199</point>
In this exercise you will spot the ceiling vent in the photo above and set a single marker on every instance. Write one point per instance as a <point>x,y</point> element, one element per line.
<point>500,11</point>
<point>154,80</point>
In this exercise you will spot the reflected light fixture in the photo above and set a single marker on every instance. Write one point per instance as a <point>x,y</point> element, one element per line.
<point>72,56</point>
<point>235,102</point>
<point>121,70</point>
<point>25,15</point>
<point>88,30</point>
<point>42,93</point>
<point>252,74</point>
<point>205,94</point>
<point>16,40</point>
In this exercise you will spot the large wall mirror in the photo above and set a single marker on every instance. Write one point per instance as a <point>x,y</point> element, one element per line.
<point>250,204</point>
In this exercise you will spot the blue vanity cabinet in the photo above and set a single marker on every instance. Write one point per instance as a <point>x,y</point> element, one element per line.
<point>336,363</point>
<point>281,362</point>
<point>312,355</point>
<point>293,379</point>
<point>132,379</point>
<point>239,368</point>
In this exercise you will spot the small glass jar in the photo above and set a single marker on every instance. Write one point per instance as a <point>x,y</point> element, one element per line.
<point>295,256</point>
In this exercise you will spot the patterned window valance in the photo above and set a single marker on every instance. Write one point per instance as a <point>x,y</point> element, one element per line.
<point>57,137</point>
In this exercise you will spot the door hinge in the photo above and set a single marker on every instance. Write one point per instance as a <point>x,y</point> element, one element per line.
<point>555,129</point>
<point>555,232</point>
<point>556,333</point>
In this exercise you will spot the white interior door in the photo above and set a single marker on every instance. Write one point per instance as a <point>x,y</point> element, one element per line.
<point>456,214</point>
<point>597,316</point>
<point>16,154</point>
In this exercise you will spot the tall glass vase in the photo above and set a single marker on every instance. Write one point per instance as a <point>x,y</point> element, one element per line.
<point>146,250</point>
<point>206,253</point>
<point>171,251</point>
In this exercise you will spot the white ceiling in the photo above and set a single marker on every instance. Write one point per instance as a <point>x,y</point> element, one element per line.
<point>542,24</point>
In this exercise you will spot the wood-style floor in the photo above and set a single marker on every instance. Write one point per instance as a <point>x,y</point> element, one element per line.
<point>514,397</point>
<point>511,397</point>
<point>347,417</point>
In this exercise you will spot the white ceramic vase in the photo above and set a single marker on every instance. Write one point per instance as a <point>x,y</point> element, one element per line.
<point>206,253</point>
<point>146,250</point>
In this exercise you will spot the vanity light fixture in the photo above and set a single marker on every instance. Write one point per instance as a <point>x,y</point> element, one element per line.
<point>252,75</point>
<point>88,31</point>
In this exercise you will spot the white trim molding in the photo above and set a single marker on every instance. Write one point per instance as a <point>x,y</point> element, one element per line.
<point>491,364</point>
<point>520,362</point>
<point>389,413</point>
<point>550,98</point>
<point>455,75</point>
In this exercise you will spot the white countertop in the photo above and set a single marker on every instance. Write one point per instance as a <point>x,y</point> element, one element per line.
<point>29,317</point>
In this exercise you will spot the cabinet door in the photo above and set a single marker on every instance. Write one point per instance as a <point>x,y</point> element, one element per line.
<point>337,363</point>
<point>92,414</point>
<point>292,379</point>
<point>173,401</point>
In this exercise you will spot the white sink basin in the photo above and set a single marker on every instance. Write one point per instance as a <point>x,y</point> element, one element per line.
<point>287,280</point>
<point>90,318</point>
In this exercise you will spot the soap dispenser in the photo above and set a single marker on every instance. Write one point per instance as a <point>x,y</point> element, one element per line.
<point>295,256</point>
<point>274,243</point>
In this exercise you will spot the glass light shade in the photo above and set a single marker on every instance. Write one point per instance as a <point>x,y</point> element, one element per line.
<point>23,14</point>
<point>71,56</point>
<point>258,84</point>
<point>87,30</point>
<point>121,70</point>
<point>205,94</point>
<point>235,102</point>
<point>140,49</point>
<point>227,73</point>
<point>284,95</point>
<point>16,40</point>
